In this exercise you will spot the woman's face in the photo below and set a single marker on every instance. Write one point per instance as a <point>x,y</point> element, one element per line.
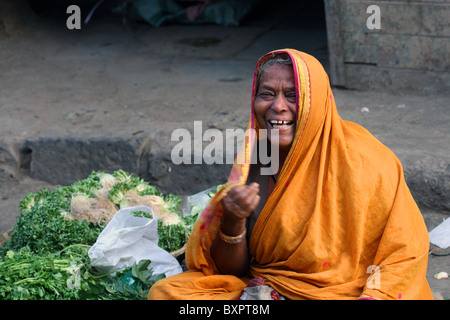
<point>275,103</point>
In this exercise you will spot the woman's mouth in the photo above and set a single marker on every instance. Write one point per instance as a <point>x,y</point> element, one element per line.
<point>280,124</point>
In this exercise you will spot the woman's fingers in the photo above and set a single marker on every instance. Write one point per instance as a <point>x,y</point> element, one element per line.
<point>255,203</point>
<point>242,200</point>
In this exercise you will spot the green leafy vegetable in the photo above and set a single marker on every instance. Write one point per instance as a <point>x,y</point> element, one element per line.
<point>31,276</point>
<point>47,255</point>
<point>132,283</point>
<point>141,214</point>
<point>42,227</point>
<point>67,275</point>
<point>173,236</point>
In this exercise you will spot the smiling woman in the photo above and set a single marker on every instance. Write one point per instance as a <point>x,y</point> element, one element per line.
<point>276,103</point>
<point>338,209</point>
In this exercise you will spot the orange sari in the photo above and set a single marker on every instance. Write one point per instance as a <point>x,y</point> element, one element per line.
<point>340,224</point>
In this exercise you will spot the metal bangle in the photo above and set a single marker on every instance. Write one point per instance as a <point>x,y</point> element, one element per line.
<point>232,240</point>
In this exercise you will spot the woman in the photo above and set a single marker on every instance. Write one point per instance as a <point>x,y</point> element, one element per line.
<point>337,221</point>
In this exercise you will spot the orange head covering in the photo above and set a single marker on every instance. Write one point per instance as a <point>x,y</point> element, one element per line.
<point>340,209</point>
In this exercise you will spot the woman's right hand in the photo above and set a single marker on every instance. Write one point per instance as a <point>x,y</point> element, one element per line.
<point>238,205</point>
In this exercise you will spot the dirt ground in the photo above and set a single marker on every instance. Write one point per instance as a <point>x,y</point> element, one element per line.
<point>108,81</point>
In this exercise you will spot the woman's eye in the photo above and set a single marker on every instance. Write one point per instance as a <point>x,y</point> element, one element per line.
<point>291,96</point>
<point>266,95</point>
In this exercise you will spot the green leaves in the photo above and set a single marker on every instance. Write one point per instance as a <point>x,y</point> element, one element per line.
<point>132,283</point>
<point>47,255</point>
<point>41,225</point>
<point>172,237</point>
<point>141,214</point>
<point>141,271</point>
<point>67,275</point>
<point>32,276</point>
<point>44,229</point>
<point>127,182</point>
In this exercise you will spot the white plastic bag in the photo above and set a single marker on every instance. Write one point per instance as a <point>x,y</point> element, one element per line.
<point>440,235</point>
<point>196,203</point>
<point>128,239</point>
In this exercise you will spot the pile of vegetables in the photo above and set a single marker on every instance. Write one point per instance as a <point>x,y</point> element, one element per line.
<point>47,254</point>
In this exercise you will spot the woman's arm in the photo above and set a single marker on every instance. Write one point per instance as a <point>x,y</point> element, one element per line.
<point>232,257</point>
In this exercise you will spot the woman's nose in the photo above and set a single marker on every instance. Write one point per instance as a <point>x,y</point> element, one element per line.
<point>279,103</point>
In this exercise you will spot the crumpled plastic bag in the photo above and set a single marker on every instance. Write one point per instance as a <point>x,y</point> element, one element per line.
<point>127,239</point>
<point>196,203</point>
<point>440,235</point>
<point>257,289</point>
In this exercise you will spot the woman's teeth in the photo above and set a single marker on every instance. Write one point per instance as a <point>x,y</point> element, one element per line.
<point>280,124</point>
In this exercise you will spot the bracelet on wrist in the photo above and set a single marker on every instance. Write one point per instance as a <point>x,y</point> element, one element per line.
<point>232,240</point>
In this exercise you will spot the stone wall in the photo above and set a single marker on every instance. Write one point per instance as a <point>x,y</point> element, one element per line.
<point>409,52</point>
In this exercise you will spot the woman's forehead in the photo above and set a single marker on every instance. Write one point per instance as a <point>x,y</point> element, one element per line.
<point>279,67</point>
<point>278,72</point>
